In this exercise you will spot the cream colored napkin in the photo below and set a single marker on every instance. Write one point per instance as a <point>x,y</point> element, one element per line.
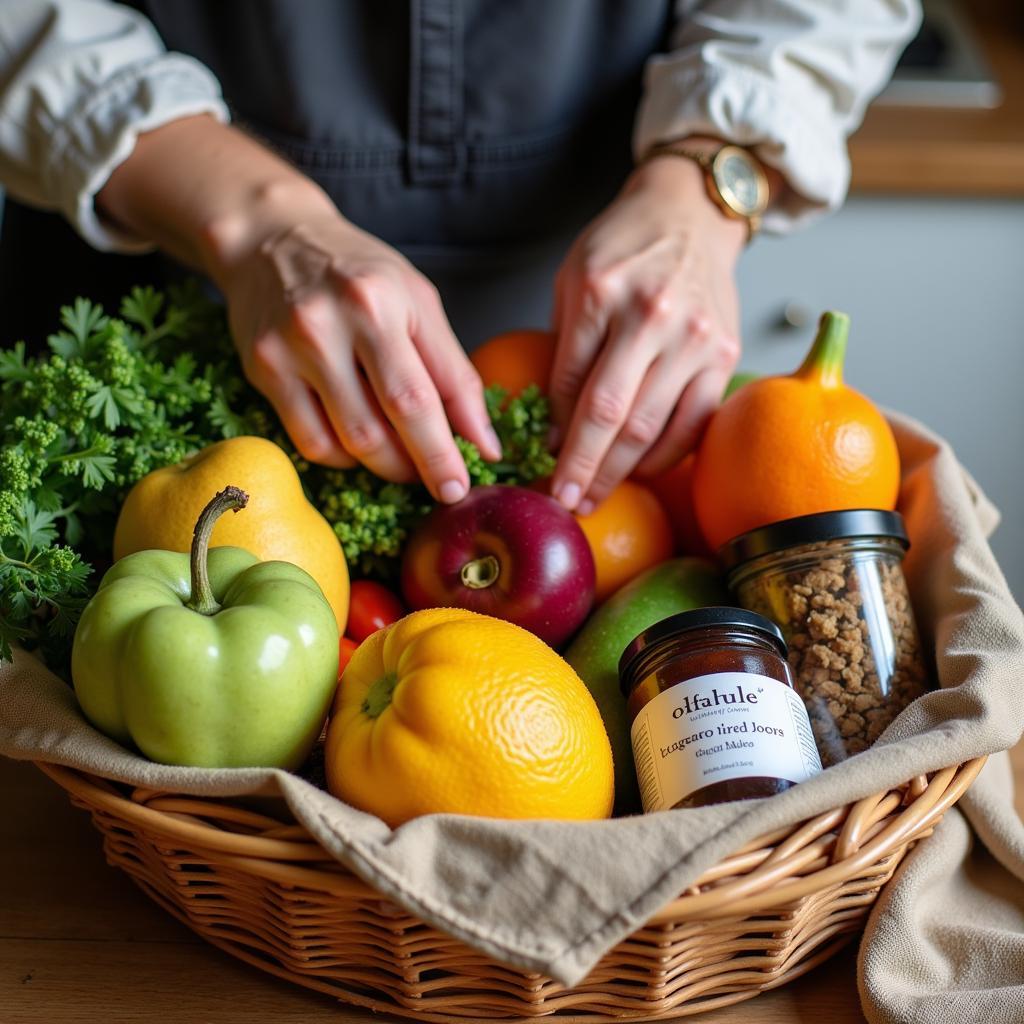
<point>945,941</point>
<point>555,896</point>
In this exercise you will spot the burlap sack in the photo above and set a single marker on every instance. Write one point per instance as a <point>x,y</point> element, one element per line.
<point>554,896</point>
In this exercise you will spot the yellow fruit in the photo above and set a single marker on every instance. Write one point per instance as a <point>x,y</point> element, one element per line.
<point>449,711</point>
<point>278,523</point>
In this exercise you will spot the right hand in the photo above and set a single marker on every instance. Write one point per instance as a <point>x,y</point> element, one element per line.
<point>351,345</point>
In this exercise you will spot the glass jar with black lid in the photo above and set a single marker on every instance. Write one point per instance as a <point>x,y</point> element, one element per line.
<point>833,582</point>
<point>713,713</point>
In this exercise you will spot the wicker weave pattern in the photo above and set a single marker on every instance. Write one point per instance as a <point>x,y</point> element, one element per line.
<point>267,893</point>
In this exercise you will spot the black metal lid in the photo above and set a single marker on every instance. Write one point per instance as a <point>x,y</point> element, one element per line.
<point>685,622</point>
<point>813,529</point>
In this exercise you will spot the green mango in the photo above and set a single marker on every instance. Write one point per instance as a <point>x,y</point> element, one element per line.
<point>675,586</point>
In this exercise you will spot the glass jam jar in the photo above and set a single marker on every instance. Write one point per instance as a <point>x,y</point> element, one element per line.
<point>833,582</point>
<point>713,713</point>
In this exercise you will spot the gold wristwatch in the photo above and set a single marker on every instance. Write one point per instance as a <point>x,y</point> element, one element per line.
<point>735,179</point>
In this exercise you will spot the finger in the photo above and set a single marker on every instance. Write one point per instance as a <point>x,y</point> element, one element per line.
<point>321,338</point>
<point>607,397</point>
<point>455,377</point>
<point>275,374</point>
<point>655,402</point>
<point>584,312</point>
<point>411,402</point>
<point>362,425</point>
<point>700,399</point>
<point>688,354</point>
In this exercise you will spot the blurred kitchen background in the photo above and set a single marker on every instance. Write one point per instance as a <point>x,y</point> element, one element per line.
<point>927,256</point>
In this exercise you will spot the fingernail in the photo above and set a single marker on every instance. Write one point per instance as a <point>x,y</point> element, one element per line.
<point>569,495</point>
<point>585,507</point>
<point>452,491</point>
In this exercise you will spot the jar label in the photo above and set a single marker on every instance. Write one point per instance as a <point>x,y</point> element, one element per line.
<point>727,725</point>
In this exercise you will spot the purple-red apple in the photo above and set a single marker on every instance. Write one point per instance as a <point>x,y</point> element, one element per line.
<point>504,551</point>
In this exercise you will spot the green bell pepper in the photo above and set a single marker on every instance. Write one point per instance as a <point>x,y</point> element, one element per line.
<point>212,658</point>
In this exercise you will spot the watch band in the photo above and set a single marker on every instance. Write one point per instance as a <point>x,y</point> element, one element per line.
<point>705,161</point>
<point>699,156</point>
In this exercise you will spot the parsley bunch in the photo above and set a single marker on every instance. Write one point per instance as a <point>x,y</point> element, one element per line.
<point>113,399</point>
<point>373,517</point>
<point>117,397</point>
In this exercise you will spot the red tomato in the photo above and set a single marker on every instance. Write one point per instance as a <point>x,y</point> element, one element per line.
<point>371,607</point>
<point>346,648</point>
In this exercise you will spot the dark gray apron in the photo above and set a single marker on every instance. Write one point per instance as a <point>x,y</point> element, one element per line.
<point>476,136</point>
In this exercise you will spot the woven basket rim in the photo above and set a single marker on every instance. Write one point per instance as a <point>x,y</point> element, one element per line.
<point>774,869</point>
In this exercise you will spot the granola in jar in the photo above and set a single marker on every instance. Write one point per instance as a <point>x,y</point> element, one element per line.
<point>834,584</point>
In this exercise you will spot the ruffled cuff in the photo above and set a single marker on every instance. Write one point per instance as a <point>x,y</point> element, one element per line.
<point>100,133</point>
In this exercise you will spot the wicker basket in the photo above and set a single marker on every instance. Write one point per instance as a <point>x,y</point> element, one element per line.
<point>267,893</point>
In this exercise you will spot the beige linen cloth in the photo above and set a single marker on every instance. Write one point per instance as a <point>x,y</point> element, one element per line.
<point>946,939</point>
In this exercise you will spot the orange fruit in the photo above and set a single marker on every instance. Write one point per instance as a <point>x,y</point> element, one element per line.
<point>674,489</point>
<point>450,711</point>
<point>793,445</point>
<point>628,533</point>
<point>516,359</point>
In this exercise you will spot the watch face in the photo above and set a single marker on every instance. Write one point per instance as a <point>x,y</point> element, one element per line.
<point>739,181</point>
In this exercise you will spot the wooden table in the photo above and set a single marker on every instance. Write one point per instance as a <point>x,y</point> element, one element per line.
<point>79,943</point>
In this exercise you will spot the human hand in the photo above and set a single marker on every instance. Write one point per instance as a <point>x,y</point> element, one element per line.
<point>343,335</point>
<point>350,344</point>
<point>647,318</point>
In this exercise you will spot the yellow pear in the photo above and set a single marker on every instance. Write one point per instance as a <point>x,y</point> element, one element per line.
<point>278,523</point>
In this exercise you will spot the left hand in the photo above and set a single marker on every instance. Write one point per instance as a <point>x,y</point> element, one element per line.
<point>647,318</point>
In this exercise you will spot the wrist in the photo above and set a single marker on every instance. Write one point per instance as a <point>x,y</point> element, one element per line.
<point>679,187</point>
<point>254,216</point>
<point>670,178</point>
<point>207,193</point>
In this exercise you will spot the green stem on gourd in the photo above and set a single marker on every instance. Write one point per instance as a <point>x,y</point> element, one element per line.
<point>824,363</point>
<point>202,600</point>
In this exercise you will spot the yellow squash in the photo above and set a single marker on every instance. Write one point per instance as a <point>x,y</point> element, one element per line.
<point>279,523</point>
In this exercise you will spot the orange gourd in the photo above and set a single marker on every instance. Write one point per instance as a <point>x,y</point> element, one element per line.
<point>793,445</point>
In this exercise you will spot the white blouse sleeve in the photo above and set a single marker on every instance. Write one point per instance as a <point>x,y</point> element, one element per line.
<point>789,78</point>
<point>79,80</point>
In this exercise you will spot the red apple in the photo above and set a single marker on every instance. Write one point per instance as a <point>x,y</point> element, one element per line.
<point>505,551</point>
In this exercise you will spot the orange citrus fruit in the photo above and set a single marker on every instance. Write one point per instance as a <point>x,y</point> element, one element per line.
<point>515,360</point>
<point>790,446</point>
<point>674,488</point>
<point>450,711</point>
<point>628,533</point>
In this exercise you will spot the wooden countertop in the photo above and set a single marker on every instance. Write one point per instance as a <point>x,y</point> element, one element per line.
<point>922,151</point>
<point>79,942</point>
